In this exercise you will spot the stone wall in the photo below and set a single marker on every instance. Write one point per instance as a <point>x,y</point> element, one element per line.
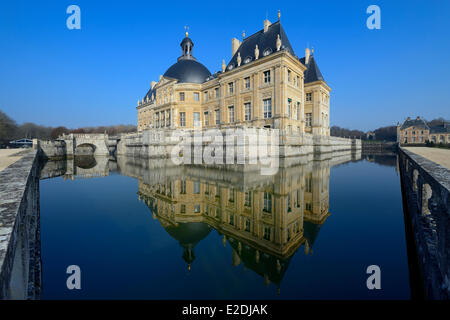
<point>426,197</point>
<point>52,149</point>
<point>20,256</point>
<point>378,146</point>
<point>158,144</point>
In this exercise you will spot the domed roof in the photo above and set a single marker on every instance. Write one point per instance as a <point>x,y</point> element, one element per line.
<point>188,70</point>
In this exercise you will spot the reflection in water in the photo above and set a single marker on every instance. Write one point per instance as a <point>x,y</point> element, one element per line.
<point>85,162</point>
<point>264,219</point>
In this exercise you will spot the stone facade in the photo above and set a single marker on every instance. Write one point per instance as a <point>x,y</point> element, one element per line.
<point>419,132</point>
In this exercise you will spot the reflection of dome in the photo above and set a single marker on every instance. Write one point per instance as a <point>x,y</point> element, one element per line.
<point>188,235</point>
<point>188,70</point>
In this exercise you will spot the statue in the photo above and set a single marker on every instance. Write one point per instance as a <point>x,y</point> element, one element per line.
<point>256,52</point>
<point>239,59</point>
<point>278,43</point>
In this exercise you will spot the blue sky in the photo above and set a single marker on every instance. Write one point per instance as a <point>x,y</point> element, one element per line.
<point>51,75</point>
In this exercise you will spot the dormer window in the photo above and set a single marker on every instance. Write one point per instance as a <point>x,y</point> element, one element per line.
<point>267,52</point>
<point>230,67</point>
<point>248,59</point>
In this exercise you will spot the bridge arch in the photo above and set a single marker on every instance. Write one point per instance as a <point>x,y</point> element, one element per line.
<point>85,149</point>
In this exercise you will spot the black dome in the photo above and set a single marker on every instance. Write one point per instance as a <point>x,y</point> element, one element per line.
<point>188,70</point>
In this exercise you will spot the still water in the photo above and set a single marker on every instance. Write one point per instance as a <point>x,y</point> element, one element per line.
<point>142,229</point>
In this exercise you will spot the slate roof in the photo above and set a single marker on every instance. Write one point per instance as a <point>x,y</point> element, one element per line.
<point>266,41</point>
<point>188,70</point>
<point>418,123</point>
<point>440,129</point>
<point>312,72</point>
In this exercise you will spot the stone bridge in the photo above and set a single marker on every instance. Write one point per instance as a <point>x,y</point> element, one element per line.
<point>82,144</point>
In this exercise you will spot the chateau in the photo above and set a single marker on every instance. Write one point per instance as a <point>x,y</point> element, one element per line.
<point>265,85</point>
<point>417,131</point>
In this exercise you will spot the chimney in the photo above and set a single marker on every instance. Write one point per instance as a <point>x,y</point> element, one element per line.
<point>418,118</point>
<point>307,52</point>
<point>266,25</point>
<point>409,118</point>
<point>235,43</point>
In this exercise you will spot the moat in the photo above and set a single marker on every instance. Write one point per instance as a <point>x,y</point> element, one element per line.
<point>142,229</point>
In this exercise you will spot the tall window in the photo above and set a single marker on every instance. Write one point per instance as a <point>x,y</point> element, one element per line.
<point>196,119</point>
<point>289,76</point>
<point>217,116</point>
<point>308,119</point>
<point>248,199</point>
<point>267,76</point>
<point>169,112</point>
<point>217,92</point>
<point>181,96</point>
<point>309,96</point>
<point>196,187</point>
<point>182,119</point>
<point>206,119</point>
<point>298,81</point>
<point>183,187</point>
<point>298,110</point>
<point>267,233</point>
<point>267,108</point>
<point>157,119</point>
<point>267,202</point>
<point>248,111</point>
<point>247,83</point>
<point>231,113</point>
<point>231,195</point>
<point>205,96</point>
<point>231,87</point>
<point>289,107</point>
<point>247,225</point>
<point>196,96</point>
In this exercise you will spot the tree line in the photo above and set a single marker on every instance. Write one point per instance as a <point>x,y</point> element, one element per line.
<point>10,130</point>
<point>388,133</point>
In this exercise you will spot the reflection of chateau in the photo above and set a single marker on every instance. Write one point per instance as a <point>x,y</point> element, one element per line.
<point>265,221</point>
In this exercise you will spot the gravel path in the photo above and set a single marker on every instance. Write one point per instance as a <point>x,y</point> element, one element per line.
<point>438,155</point>
<point>9,156</point>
